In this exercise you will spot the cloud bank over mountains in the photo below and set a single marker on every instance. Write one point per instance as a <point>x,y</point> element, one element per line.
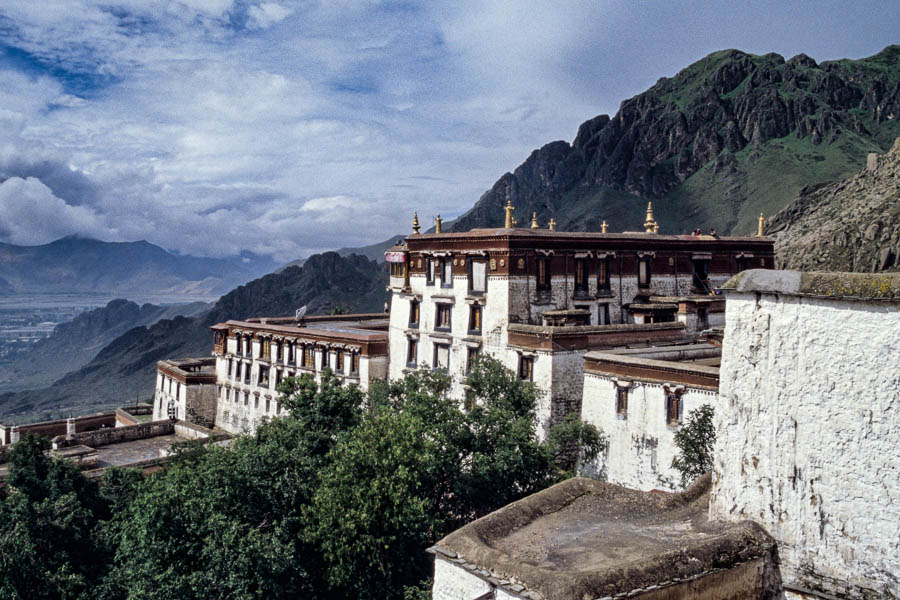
<point>286,128</point>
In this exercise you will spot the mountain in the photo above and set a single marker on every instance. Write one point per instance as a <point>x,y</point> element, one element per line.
<point>73,344</point>
<point>73,264</point>
<point>125,368</point>
<point>730,136</point>
<point>847,225</point>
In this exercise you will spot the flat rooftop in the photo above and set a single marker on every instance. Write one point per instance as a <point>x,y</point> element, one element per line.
<point>368,329</point>
<point>589,539</point>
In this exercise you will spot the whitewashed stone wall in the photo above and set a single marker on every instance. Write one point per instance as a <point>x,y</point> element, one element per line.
<point>452,581</point>
<point>641,442</point>
<point>809,437</point>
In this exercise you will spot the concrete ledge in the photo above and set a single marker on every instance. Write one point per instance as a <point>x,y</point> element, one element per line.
<point>115,435</point>
<point>589,539</point>
<point>844,286</point>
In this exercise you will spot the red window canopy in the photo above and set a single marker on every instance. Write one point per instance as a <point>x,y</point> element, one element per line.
<point>395,257</point>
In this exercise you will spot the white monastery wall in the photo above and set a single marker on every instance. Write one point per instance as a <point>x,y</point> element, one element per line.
<point>809,437</point>
<point>641,442</point>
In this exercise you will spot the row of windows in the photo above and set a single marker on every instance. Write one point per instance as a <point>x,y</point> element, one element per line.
<point>171,382</point>
<point>673,404</point>
<point>238,397</point>
<point>235,370</point>
<point>440,358</point>
<point>440,270</point>
<point>443,316</point>
<point>299,355</point>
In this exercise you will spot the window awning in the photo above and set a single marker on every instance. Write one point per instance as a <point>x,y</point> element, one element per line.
<point>395,257</point>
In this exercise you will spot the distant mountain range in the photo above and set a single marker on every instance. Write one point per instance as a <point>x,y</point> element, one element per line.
<point>73,265</point>
<point>730,136</point>
<point>73,344</point>
<point>125,368</point>
<point>847,225</point>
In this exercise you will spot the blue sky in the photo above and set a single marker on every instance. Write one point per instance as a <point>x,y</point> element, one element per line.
<point>286,128</point>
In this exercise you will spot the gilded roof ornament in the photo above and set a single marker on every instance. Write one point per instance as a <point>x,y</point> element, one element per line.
<point>510,222</point>
<point>416,223</point>
<point>604,228</point>
<point>650,225</point>
<point>760,228</point>
<point>552,224</point>
<point>534,223</point>
<point>437,223</point>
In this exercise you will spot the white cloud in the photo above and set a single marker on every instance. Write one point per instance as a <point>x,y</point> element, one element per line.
<point>267,14</point>
<point>30,214</point>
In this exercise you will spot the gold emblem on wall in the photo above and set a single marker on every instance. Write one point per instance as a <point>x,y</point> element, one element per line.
<point>419,264</point>
<point>502,263</point>
<point>493,264</point>
<point>671,261</point>
<point>521,263</point>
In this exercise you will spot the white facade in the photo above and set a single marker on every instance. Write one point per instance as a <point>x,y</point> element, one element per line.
<point>248,377</point>
<point>809,426</point>
<point>641,438</point>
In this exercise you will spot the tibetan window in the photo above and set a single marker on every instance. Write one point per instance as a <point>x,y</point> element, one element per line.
<point>414,314</point>
<point>673,408</point>
<point>446,272</point>
<point>442,316</point>
<point>542,275</point>
<point>526,368</point>
<point>442,356</point>
<point>603,273</point>
<point>354,362</point>
<point>339,361</point>
<point>475,320</point>
<point>412,352</point>
<point>477,276</point>
<point>621,400</point>
<point>471,356</point>
<point>581,280</point>
<point>644,272</point>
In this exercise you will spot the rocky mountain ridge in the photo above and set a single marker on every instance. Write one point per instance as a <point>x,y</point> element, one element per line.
<point>847,225</point>
<point>706,145</point>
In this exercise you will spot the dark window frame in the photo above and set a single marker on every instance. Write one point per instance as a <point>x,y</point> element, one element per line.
<point>471,276</point>
<point>476,319</point>
<point>644,282</point>
<point>622,400</point>
<point>439,309</point>
<point>415,314</point>
<point>429,271</point>
<point>543,262</point>
<point>412,352</point>
<point>603,273</point>
<point>446,272</point>
<point>581,271</point>
<point>526,368</point>
<point>673,408</point>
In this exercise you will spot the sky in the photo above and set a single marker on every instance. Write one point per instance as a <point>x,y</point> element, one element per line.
<point>211,127</point>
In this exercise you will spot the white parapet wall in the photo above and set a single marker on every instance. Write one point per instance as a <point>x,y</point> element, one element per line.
<point>809,426</point>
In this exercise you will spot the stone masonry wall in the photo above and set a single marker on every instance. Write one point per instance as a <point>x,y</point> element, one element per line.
<point>809,437</point>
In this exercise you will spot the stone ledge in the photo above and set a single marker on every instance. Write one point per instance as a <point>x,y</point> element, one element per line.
<point>838,286</point>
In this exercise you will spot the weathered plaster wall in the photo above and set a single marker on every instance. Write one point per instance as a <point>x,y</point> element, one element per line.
<point>809,437</point>
<point>641,443</point>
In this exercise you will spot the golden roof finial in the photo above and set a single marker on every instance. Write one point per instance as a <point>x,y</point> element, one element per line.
<point>534,223</point>
<point>604,227</point>
<point>510,222</point>
<point>650,225</point>
<point>552,224</point>
<point>416,223</point>
<point>761,226</point>
<point>437,223</point>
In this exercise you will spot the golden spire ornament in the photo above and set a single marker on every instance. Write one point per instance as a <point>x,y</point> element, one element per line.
<point>761,226</point>
<point>416,223</point>
<point>437,223</point>
<point>650,225</point>
<point>604,227</point>
<point>534,223</point>
<point>552,224</point>
<point>510,222</point>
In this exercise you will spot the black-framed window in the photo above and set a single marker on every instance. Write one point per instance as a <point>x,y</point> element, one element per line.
<point>290,353</point>
<point>441,359</point>
<point>542,273</point>
<point>701,274</point>
<point>398,269</point>
<point>673,408</point>
<point>326,359</point>
<point>742,263</point>
<point>430,265</point>
<point>230,369</point>
<point>354,362</point>
<point>446,272</point>
<point>526,368</point>
<point>277,378</point>
<point>247,373</point>
<point>621,400</point>
<point>248,346</point>
<point>339,361</point>
<point>412,352</point>
<point>263,378</point>
<point>238,341</point>
<point>472,353</point>
<point>702,318</point>
<point>603,266</point>
<point>477,276</point>
<point>414,313</point>
<point>442,316</point>
<point>279,351</point>
<point>475,314</point>
<point>581,276</point>
<point>603,315</point>
<point>644,272</point>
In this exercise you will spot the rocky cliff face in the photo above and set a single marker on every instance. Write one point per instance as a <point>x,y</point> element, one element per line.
<point>707,145</point>
<point>847,225</point>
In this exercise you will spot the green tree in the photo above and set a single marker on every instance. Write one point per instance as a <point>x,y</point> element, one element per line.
<point>695,440</point>
<point>47,526</point>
